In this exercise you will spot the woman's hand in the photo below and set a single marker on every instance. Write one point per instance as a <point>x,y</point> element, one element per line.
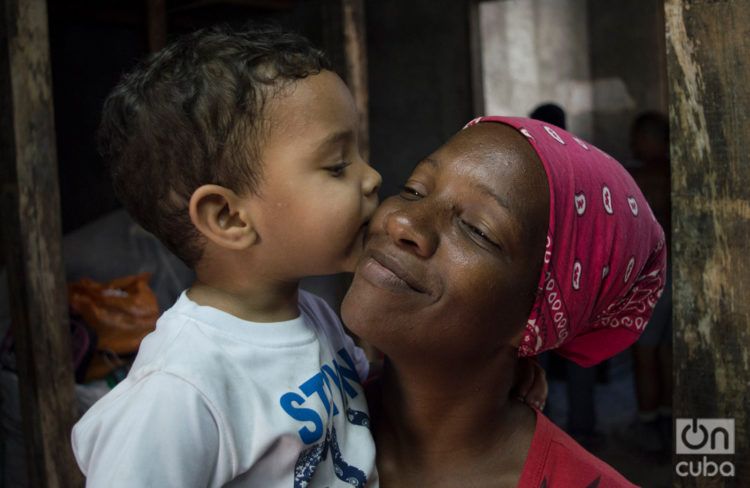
<point>531,383</point>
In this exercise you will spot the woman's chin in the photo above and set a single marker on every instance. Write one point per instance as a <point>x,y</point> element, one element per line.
<point>352,309</point>
<point>364,312</point>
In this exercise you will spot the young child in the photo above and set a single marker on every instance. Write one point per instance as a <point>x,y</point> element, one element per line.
<point>239,151</point>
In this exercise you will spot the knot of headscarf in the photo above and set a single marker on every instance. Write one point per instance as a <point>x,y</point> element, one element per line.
<point>605,258</point>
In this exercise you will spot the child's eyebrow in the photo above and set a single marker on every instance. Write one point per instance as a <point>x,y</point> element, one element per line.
<point>336,138</point>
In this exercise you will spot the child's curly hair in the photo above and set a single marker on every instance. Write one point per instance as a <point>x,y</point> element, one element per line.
<point>191,114</point>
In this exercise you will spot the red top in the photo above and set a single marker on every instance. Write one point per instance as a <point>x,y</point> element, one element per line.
<point>557,461</point>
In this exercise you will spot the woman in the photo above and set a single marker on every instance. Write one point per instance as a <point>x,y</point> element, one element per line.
<point>513,238</point>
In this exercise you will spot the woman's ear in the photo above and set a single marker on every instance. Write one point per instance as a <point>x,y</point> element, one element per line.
<point>219,214</point>
<point>515,341</point>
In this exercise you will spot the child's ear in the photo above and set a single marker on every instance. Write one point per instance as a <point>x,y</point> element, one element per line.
<point>219,214</point>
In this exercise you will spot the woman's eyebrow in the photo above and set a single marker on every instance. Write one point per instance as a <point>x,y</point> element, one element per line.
<point>434,163</point>
<point>487,191</point>
<point>516,227</point>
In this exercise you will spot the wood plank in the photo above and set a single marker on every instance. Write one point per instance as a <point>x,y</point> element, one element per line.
<point>156,19</point>
<point>355,53</point>
<point>32,244</point>
<point>709,72</point>
<point>261,4</point>
<point>332,34</point>
<point>475,52</point>
<point>345,45</point>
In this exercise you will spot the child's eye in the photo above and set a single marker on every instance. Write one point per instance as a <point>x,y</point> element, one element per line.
<point>409,193</point>
<point>337,170</point>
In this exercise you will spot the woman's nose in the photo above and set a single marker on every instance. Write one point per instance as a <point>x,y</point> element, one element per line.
<point>408,231</point>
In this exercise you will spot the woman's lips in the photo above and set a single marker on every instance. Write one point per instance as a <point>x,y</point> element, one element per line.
<point>382,277</point>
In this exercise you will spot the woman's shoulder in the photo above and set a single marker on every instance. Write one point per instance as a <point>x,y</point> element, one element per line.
<point>556,460</point>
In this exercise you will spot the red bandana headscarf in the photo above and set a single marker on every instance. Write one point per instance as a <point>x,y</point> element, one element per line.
<point>605,259</point>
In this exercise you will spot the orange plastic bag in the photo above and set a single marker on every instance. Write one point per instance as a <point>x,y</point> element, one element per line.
<point>121,313</point>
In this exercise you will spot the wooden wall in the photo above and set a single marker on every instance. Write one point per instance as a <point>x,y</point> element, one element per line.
<point>32,244</point>
<point>709,74</point>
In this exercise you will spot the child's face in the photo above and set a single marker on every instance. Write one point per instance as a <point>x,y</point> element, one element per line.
<point>317,194</point>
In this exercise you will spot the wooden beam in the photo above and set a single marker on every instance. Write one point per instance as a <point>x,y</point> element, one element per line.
<point>475,53</point>
<point>31,229</point>
<point>260,4</point>
<point>355,53</point>
<point>156,19</point>
<point>708,69</point>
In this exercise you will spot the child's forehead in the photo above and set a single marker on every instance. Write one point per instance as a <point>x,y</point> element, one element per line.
<point>321,94</point>
<point>318,109</point>
<point>336,138</point>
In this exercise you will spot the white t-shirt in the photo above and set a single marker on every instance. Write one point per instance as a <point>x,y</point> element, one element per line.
<point>213,400</point>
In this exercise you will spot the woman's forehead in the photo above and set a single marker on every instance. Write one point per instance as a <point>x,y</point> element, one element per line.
<point>499,156</point>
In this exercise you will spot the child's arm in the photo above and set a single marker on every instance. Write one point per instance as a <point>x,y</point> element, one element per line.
<point>159,432</point>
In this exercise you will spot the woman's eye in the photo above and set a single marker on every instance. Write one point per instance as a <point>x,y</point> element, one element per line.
<point>479,233</point>
<point>337,170</point>
<point>409,193</point>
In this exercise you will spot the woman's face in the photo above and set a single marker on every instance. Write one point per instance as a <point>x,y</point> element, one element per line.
<point>452,263</point>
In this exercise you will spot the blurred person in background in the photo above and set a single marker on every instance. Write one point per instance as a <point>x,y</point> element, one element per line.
<point>579,381</point>
<point>650,431</point>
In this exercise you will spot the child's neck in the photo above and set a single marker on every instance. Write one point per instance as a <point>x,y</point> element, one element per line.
<point>275,303</point>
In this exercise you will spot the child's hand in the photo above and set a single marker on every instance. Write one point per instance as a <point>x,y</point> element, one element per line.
<point>531,383</point>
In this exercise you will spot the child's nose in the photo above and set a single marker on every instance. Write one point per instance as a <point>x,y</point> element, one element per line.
<point>371,181</point>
